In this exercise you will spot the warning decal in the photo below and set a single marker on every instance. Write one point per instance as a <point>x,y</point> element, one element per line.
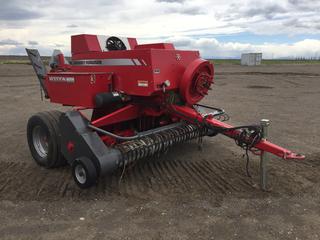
<point>143,83</point>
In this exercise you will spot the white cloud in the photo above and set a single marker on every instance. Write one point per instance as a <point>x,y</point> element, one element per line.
<point>212,48</point>
<point>208,47</point>
<point>51,22</point>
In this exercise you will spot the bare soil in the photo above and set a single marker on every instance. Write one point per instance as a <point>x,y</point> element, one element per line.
<point>185,194</point>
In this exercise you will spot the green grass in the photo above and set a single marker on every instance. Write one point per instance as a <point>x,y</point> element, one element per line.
<point>272,61</point>
<point>46,62</point>
<point>225,61</point>
<point>14,62</point>
<point>264,61</point>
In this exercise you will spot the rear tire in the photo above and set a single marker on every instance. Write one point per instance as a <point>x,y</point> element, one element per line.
<point>43,135</point>
<point>84,172</point>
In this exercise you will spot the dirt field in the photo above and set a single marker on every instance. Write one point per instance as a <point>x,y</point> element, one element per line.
<point>185,194</point>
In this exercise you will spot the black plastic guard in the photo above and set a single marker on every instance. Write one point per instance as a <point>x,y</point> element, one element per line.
<point>77,140</point>
<point>38,67</point>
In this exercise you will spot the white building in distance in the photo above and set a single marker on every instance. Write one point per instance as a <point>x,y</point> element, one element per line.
<point>251,59</point>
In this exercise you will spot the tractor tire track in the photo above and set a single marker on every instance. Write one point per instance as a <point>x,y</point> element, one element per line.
<point>153,178</point>
<point>165,172</point>
<point>145,179</point>
<point>202,181</point>
<point>20,181</point>
<point>173,174</point>
<point>225,169</point>
<point>218,176</point>
<point>214,178</point>
<point>159,177</point>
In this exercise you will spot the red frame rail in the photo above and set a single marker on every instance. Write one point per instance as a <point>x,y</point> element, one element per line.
<point>263,145</point>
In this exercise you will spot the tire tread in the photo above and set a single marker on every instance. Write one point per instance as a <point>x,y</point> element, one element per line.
<point>51,120</point>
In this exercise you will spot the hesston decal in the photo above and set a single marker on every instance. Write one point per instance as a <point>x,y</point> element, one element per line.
<point>61,79</point>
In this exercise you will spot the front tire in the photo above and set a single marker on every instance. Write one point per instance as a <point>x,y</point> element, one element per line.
<point>84,172</point>
<point>43,135</point>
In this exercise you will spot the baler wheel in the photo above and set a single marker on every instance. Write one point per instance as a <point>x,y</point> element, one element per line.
<point>84,172</point>
<point>43,139</point>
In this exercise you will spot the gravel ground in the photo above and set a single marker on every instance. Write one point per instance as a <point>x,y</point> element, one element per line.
<point>185,194</point>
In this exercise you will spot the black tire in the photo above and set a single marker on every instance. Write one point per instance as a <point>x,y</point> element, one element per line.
<point>46,150</point>
<point>212,133</point>
<point>84,172</point>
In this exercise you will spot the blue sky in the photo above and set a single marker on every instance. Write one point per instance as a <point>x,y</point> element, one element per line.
<point>218,29</point>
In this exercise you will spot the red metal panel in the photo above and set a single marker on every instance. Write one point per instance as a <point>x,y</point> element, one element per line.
<point>140,72</point>
<point>84,43</point>
<point>76,89</point>
<point>171,65</point>
<point>167,46</point>
<point>132,42</point>
<point>124,80</point>
<point>148,70</point>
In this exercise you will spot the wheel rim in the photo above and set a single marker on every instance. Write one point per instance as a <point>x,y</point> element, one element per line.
<point>80,174</point>
<point>40,141</point>
<point>202,84</point>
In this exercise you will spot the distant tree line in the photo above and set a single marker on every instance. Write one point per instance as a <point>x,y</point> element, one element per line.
<point>307,58</point>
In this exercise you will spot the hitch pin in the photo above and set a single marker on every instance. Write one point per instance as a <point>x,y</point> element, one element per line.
<point>264,123</point>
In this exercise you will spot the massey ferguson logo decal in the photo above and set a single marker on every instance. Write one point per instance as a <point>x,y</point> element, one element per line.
<point>61,79</point>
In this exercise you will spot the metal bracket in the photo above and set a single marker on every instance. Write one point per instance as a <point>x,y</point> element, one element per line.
<point>264,123</point>
<point>201,109</point>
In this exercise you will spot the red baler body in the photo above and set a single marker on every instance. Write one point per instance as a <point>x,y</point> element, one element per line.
<point>137,72</point>
<point>144,99</point>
